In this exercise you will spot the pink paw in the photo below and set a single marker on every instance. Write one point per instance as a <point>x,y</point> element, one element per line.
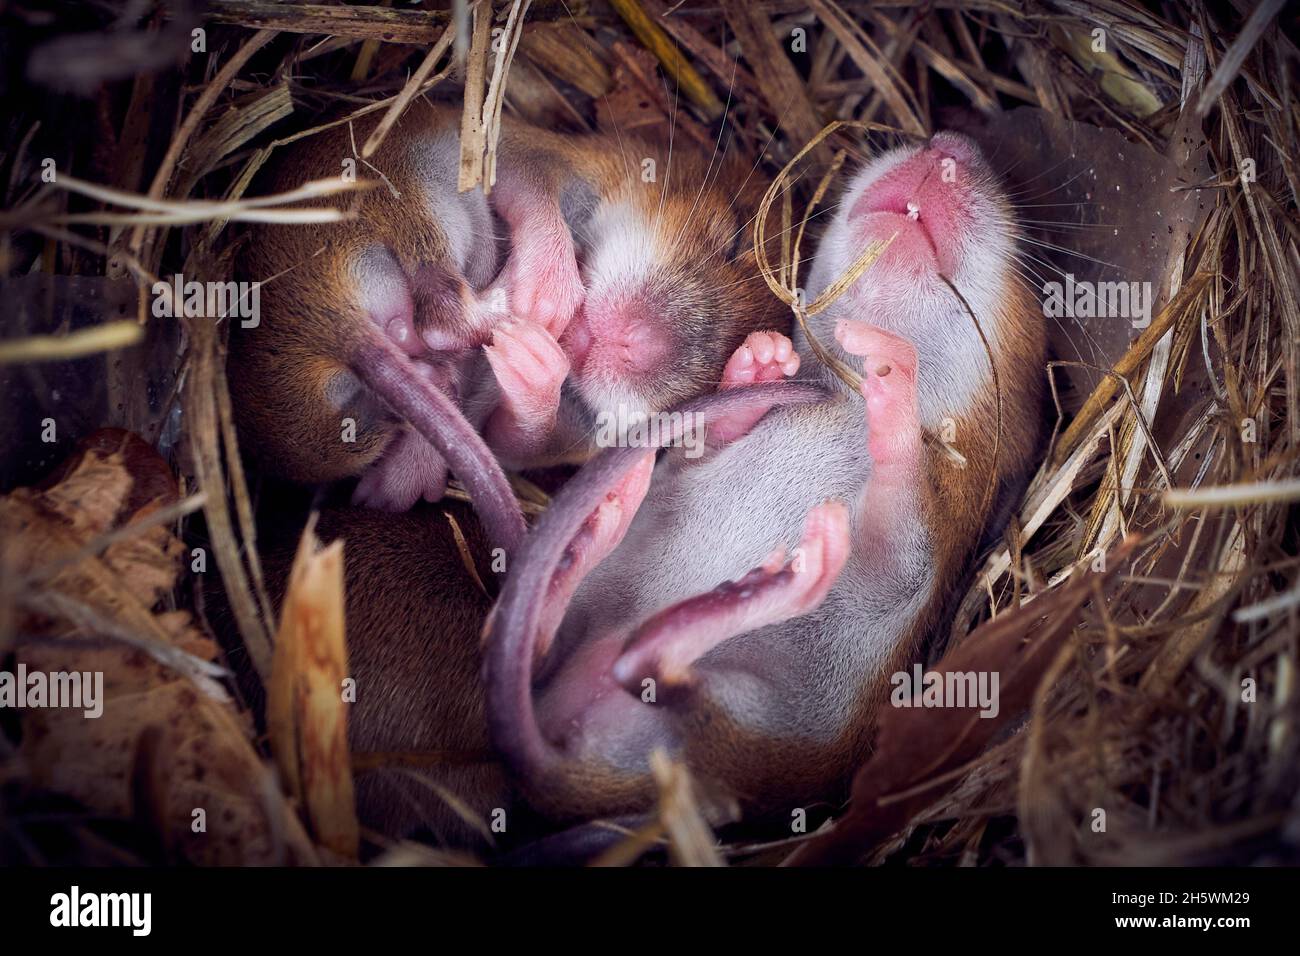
<point>409,470</point>
<point>667,645</point>
<point>763,357</point>
<point>546,292</point>
<point>530,367</point>
<point>888,385</point>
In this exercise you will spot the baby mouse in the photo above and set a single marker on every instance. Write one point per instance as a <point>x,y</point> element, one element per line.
<point>743,611</point>
<point>633,281</point>
<point>370,327</point>
<point>414,606</point>
<point>415,611</point>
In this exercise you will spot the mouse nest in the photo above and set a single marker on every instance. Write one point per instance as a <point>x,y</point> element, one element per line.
<point>1141,604</point>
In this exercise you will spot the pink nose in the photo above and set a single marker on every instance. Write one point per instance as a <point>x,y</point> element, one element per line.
<point>617,338</point>
<point>931,188</point>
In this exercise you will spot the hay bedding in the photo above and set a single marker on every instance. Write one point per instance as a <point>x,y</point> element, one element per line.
<point>1141,605</point>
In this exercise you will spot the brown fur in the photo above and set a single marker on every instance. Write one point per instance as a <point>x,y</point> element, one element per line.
<point>771,773</point>
<point>704,205</point>
<point>712,295</point>
<point>707,288</point>
<point>311,315</point>
<point>957,507</point>
<point>414,614</point>
<point>959,502</point>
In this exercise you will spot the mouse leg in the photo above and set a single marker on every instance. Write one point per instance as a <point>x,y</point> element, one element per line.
<point>762,357</point>
<point>541,274</point>
<point>598,536</point>
<point>893,438</point>
<point>889,387</point>
<point>530,367</point>
<point>409,469</point>
<point>667,644</point>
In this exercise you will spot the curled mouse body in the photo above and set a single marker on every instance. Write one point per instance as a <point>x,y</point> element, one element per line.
<point>415,613</point>
<point>415,604</point>
<point>626,294</point>
<point>633,284</point>
<point>743,611</point>
<point>371,327</point>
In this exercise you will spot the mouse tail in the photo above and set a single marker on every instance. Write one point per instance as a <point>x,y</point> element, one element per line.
<point>555,782</point>
<point>387,370</point>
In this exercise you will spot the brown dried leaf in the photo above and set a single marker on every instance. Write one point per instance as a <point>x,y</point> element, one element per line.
<point>1117,81</point>
<point>679,69</point>
<point>49,534</point>
<point>568,53</point>
<point>690,838</point>
<point>167,741</point>
<point>305,715</point>
<point>783,88</point>
<point>203,760</point>
<point>638,102</point>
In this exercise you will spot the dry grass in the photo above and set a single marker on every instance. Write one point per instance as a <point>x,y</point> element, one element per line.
<point>1172,704</point>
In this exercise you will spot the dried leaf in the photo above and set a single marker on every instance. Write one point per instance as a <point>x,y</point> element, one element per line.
<point>305,714</point>
<point>86,610</point>
<point>678,68</point>
<point>1117,80</point>
<point>569,54</point>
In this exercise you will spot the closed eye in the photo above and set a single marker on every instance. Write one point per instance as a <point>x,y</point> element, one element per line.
<point>739,238</point>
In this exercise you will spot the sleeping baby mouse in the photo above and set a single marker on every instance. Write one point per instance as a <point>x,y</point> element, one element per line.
<point>743,611</point>
<point>632,284</point>
<point>371,327</point>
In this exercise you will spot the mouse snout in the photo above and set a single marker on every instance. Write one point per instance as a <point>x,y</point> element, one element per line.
<point>927,202</point>
<point>617,339</point>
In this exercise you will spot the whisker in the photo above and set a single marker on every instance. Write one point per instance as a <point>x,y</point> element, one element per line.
<point>1052,224</point>
<point>1066,250</point>
<point>618,132</point>
<point>704,182</point>
<point>668,170</point>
